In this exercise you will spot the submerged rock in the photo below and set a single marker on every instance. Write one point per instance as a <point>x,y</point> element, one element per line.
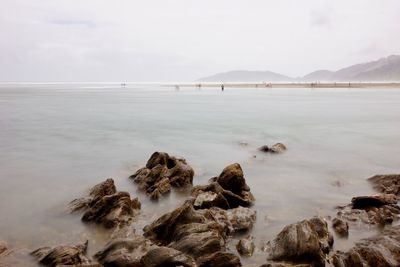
<point>308,241</point>
<point>341,227</point>
<point>374,210</point>
<point>228,190</point>
<point>276,148</point>
<point>246,246</point>
<point>161,172</point>
<point>64,255</point>
<point>388,183</point>
<point>381,250</point>
<point>105,206</point>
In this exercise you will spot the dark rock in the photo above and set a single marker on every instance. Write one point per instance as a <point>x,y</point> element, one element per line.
<point>163,256</point>
<point>219,259</point>
<point>388,184</point>
<point>246,246</point>
<point>104,205</point>
<point>63,255</point>
<point>232,179</point>
<point>235,220</point>
<point>228,190</point>
<point>363,202</point>
<point>375,210</point>
<point>307,241</point>
<point>381,250</point>
<point>124,251</point>
<point>341,227</point>
<point>161,172</point>
<point>276,148</point>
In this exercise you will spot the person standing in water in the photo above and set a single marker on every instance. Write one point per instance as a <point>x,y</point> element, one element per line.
<point>222,87</point>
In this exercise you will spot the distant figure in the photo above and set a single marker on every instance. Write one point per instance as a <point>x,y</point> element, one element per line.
<point>222,87</point>
<point>123,85</point>
<point>177,87</point>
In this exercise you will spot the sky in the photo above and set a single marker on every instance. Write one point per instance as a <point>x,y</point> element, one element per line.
<point>184,40</point>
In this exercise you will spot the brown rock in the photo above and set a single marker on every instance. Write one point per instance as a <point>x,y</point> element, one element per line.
<point>307,241</point>
<point>381,250</point>
<point>219,259</point>
<point>364,202</point>
<point>246,246</point>
<point>232,179</point>
<point>388,183</point>
<point>163,256</point>
<point>161,172</point>
<point>341,227</point>
<point>63,255</point>
<point>277,148</point>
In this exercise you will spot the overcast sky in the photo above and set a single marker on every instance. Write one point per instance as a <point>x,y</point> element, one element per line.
<point>183,40</point>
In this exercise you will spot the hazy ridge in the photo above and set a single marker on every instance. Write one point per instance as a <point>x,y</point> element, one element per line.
<point>381,70</point>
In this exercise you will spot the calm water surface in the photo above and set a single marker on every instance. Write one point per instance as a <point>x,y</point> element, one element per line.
<point>57,141</point>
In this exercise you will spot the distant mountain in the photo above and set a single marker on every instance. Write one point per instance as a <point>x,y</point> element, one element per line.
<point>246,76</point>
<point>384,69</point>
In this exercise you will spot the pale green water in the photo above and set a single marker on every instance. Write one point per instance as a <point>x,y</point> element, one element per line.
<point>57,141</point>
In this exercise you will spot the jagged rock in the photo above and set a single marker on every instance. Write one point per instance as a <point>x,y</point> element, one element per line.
<point>307,241</point>
<point>3,249</point>
<point>375,210</point>
<point>381,250</point>
<point>164,256</point>
<point>106,206</point>
<point>63,255</point>
<point>219,259</point>
<point>246,246</point>
<point>234,220</point>
<point>341,227</point>
<point>364,202</point>
<point>124,251</point>
<point>161,172</point>
<point>228,190</point>
<point>388,183</point>
<point>276,148</point>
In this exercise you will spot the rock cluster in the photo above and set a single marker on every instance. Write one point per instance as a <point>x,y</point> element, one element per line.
<point>106,206</point>
<point>387,183</point>
<point>228,190</point>
<point>161,172</point>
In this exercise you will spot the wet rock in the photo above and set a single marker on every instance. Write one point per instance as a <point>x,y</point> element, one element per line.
<point>124,251</point>
<point>276,148</point>
<point>246,246</point>
<point>228,190</point>
<point>307,241</point>
<point>388,183</point>
<point>105,206</point>
<point>341,227</point>
<point>164,256</point>
<point>374,210</point>
<point>219,259</point>
<point>232,179</point>
<point>161,172</point>
<point>63,255</point>
<point>381,250</point>
<point>239,219</point>
<point>363,202</point>
<point>3,249</point>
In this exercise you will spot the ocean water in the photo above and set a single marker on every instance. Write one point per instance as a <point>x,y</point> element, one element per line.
<point>56,141</point>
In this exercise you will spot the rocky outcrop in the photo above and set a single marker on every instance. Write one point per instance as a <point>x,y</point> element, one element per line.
<point>246,246</point>
<point>340,227</point>
<point>200,233</point>
<point>219,259</point>
<point>381,250</point>
<point>308,241</point>
<point>373,210</point>
<point>106,206</point>
<point>387,183</point>
<point>276,148</point>
<point>64,255</point>
<point>138,251</point>
<point>161,172</point>
<point>228,190</point>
